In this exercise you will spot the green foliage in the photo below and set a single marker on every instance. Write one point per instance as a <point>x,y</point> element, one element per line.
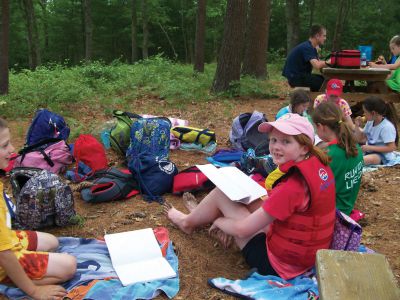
<point>97,85</point>
<point>78,220</point>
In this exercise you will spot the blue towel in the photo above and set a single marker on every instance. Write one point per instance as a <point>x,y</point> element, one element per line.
<point>269,287</point>
<point>94,263</point>
<point>256,286</point>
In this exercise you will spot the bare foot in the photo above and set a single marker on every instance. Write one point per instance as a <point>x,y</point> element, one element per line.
<point>176,217</point>
<point>223,238</point>
<point>190,201</point>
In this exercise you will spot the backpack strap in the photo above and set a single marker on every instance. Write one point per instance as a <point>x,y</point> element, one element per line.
<point>37,147</point>
<point>205,132</point>
<point>147,194</point>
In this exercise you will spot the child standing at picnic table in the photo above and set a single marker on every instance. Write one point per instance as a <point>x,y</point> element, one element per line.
<point>393,81</point>
<point>347,157</point>
<point>334,90</point>
<point>380,134</point>
<point>280,237</point>
<point>24,257</point>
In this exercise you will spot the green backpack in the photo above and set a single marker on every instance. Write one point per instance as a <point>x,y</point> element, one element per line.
<point>120,133</point>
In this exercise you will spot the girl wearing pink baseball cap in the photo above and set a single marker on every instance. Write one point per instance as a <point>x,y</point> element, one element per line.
<point>280,235</point>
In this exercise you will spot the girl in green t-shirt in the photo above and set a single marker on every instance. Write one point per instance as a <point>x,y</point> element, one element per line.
<point>346,155</point>
<point>393,81</point>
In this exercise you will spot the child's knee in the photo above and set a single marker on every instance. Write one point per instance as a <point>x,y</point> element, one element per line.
<point>69,267</point>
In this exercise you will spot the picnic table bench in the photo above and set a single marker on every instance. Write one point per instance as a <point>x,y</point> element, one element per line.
<point>375,78</point>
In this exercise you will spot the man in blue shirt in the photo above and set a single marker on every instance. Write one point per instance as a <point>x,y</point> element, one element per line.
<point>303,58</point>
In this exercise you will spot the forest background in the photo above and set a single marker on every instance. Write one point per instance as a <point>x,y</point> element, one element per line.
<point>68,50</point>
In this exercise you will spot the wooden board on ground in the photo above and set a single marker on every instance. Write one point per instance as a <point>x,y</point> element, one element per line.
<point>353,275</point>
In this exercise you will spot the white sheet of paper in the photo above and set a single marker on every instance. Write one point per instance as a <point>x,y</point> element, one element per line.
<point>235,184</point>
<point>136,256</point>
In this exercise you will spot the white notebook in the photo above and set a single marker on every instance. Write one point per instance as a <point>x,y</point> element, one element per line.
<point>136,257</point>
<point>235,184</point>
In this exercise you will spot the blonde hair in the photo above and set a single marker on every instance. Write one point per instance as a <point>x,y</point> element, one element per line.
<point>395,40</point>
<point>304,140</point>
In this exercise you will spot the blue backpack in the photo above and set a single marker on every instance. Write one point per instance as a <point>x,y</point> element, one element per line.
<point>46,125</point>
<point>150,136</point>
<point>154,174</point>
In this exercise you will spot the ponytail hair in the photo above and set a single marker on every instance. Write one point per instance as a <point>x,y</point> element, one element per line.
<point>386,109</point>
<point>3,124</point>
<point>329,114</point>
<point>304,140</point>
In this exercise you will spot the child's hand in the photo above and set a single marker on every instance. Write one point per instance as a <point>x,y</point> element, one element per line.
<point>358,121</point>
<point>365,148</point>
<point>48,292</point>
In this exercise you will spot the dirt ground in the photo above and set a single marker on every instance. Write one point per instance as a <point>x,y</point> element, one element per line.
<point>200,257</point>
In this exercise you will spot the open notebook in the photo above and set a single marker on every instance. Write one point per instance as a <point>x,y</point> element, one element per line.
<point>235,184</point>
<point>136,257</point>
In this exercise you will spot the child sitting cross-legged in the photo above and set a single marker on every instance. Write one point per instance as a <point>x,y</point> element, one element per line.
<point>282,235</point>
<point>379,136</point>
<point>347,157</point>
<point>25,260</point>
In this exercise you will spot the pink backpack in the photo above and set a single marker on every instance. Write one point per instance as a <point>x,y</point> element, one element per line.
<point>53,158</point>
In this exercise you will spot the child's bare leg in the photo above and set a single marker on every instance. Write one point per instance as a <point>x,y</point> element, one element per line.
<point>372,159</point>
<point>46,242</point>
<point>61,268</point>
<point>214,205</point>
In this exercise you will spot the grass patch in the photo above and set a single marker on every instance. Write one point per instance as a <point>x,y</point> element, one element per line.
<point>105,87</point>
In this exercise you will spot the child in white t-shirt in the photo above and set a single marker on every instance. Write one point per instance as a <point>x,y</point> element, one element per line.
<point>380,132</point>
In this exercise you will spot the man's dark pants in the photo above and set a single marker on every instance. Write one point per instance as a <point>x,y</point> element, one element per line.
<point>313,81</point>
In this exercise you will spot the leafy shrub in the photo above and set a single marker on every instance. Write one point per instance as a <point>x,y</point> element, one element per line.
<point>100,86</point>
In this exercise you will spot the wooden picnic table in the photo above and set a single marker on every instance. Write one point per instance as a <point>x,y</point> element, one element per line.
<point>375,78</point>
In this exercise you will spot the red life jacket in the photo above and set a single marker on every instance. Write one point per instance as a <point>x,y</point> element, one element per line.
<point>297,239</point>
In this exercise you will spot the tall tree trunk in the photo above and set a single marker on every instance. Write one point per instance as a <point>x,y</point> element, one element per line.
<point>134,54</point>
<point>312,8</point>
<point>255,56</point>
<point>168,39</point>
<point>200,36</point>
<point>229,59</point>
<point>269,13</point>
<point>4,43</point>
<point>343,8</point>
<point>33,37</point>
<point>293,23</point>
<point>145,46</point>
<point>43,5</point>
<point>183,28</point>
<point>88,24</point>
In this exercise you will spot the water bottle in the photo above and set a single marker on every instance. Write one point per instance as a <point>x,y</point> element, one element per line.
<point>363,60</point>
<point>105,133</point>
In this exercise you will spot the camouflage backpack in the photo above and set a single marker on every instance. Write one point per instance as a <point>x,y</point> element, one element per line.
<point>42,199</point>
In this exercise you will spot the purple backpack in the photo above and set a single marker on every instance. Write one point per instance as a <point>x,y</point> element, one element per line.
<point>347,233</point>
<point>244,133</point>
